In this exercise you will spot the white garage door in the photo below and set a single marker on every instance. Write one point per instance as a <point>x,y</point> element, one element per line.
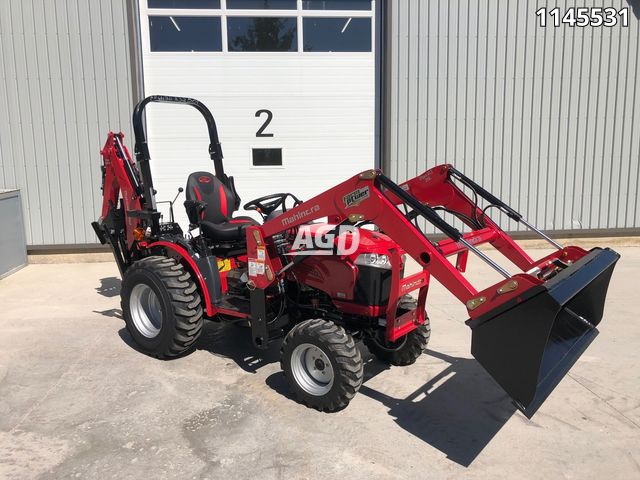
<point>291,84</point>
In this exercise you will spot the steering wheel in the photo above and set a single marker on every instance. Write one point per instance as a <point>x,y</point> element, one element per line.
<point>269,203</point>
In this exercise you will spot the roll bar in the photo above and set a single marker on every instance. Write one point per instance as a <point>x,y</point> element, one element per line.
<point>142,150</point>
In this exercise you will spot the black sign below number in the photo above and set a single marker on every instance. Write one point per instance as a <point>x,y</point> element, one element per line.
<point>267,157</point>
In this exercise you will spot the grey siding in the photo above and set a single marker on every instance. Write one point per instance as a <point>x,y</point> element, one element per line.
<point>547,118</point>
<point>13,254</point>
<point>65,83</point>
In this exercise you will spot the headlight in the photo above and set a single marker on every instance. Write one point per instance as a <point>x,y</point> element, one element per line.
<point>377,260</point>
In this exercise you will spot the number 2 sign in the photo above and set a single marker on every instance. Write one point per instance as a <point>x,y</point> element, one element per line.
<point>261,130</point>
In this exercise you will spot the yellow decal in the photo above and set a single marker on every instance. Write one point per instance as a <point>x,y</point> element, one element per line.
<point>224,265</point>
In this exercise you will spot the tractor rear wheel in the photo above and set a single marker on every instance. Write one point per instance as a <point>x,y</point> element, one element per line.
<point>403,351</point>
<point>161,306</point>
<point>322,364</point>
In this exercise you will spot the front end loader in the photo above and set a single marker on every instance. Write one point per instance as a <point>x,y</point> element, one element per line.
<point>322,274</point>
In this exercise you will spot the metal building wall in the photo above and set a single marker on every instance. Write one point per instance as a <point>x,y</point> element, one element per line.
<point>65,82</point>
<point>547,118</point>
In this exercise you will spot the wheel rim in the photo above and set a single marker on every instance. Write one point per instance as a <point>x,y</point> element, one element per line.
<point>312,369</point>
<point>145,310</point>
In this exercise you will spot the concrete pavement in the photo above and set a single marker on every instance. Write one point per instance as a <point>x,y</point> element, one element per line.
<point>78,401</point>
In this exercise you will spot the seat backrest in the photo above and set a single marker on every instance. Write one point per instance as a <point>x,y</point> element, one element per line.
<point>221,201</point>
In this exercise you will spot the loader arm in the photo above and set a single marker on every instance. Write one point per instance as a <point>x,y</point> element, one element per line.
<point>436,188</point>
<point>527,330</point>
<point>369,196</point>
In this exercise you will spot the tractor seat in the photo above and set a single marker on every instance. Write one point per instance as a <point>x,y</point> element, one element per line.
<point>230,231</point>
<point>216,220</point>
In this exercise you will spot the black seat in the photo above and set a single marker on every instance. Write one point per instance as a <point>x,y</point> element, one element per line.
<point>216,220</point>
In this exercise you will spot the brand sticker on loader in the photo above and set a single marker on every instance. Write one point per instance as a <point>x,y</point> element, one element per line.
<point>354,198</point>
<point>261,254</point>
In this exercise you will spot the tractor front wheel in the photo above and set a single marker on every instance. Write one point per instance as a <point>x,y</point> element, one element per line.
<point>161,306</point>
<point>322,364</point>
<point>403,351</point>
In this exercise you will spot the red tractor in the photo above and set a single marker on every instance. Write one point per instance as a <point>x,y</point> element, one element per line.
<point>325,286</point>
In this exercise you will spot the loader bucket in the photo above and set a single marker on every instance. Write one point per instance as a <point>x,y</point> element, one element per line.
<point>529,344</point>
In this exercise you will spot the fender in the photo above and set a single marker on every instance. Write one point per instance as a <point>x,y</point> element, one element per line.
<point>194,269</point>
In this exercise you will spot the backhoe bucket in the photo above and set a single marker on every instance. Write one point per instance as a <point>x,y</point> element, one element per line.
<point>529,344</point>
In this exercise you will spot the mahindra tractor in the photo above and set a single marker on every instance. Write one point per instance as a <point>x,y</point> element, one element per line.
<point>321,275</point>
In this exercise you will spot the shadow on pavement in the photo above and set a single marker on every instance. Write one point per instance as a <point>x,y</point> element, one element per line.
<point>111,312</point>
<point>458,411</point>
<point>128,339</point>
<point>223,340</point>
<point>109,287</point>
<point>234,342</point>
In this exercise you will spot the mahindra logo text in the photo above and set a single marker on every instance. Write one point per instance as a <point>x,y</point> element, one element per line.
<point>300,215</point>
<point>411,285</point>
